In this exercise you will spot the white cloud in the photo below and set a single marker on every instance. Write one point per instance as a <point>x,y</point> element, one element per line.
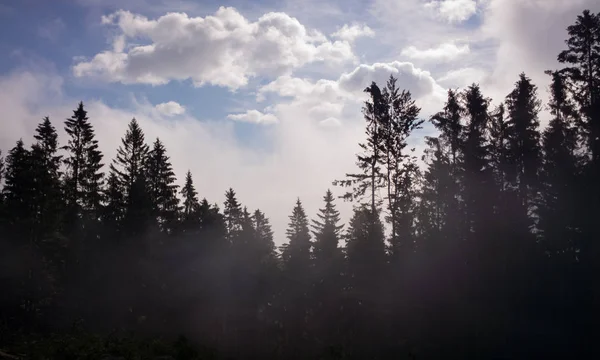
<point>255,117</point>
<point>418,81</point>
<point>463,77</point>
<point>224,49</point>
<point>454,11</point>
<point>443,52</point>
<point>352,32</point>
<point>170,108</point>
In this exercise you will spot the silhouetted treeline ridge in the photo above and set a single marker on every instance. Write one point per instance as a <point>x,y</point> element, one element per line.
<point>492,249</point>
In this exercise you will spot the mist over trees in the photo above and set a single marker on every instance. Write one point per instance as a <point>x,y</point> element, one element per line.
<point>491,249</point>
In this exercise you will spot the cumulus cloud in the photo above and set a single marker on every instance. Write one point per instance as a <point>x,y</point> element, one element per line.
<point>443,52</point>
<point>224,49</point>
<point>352,32</point>
<point>255,117</point>
<point>418,81</point>
<point>453,11</point>
<point>170,108</point>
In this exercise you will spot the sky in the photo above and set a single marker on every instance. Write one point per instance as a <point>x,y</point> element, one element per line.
<point>261,96</point>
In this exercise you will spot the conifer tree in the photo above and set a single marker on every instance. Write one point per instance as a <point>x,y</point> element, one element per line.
<point>264,236</point>
<point>557,209</point>
<point>477,169</point>
<point>84,179</point>
<point>130,170</point>
<point>190,217</point>
<point>523,106</point>
<point>297,254</point>
<point>582,58</point>
<point>369,161</point>
<point>397,126</point>
<point>162,188</point>
<point>47,194</point>
<point>113,211</point>
<point>18,192</point>
<point>326,231</point>
<point>233,216</point>
<point>448,122</point>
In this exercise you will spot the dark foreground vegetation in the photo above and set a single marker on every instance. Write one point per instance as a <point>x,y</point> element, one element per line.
<point>492,247</point>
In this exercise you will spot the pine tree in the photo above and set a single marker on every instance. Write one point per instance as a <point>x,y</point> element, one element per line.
<point>477,169</point>
<point>18,192</point>
<point>264,236</point>
<point>327,280</point>
<point>297,254</point>
<point>326,231</point>
<point>583,72</point>
<point>84,179</point>
<point>369,162</point>
<point>399,124</point>
<point>557,208</point>
<point>190,218</point>
<point>129,169</point>
<point>233,216</point>
<point>523,106</point>
<point>448,122</point>
<point>47,194</point>
<point>162,188</point>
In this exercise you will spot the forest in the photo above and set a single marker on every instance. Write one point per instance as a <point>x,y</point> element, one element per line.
<point>486,247</point>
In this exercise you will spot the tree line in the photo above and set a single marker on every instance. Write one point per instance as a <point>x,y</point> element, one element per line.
<point>491,249</point>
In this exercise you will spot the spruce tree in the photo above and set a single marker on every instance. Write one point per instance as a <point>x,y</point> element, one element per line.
<point>162,188</point>
<point>47,192</point>
<point>190,218</point>
<point>264,236</point>
<point>582,58</point>
<point>371,178</point>
<point>523,106</point>
<point>448,122</point>
<point>477,169</point>
<point>18,192</point>
<point>84,179</point>
<point>397,126</point>
<point>326,231</point>
<point>297,254</point>
<point>233,216</point>
<point>557,210</point>
<point>130,171</point>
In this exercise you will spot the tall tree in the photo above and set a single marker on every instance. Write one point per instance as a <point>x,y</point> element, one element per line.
<point>47,193</point>
<point>84,179</point>
<point>557,210</point>
<point>233,216</point>
<point>162,188</point>
<point>582,58</point>
<point>369,162</point>
<point>397,126</point>
<point>190,217</point>
<point>18,192</point>
<point>129,168</point>
<point>297,269</point>
<point>448,122</point>
<point>328,269</point>
<point>523,106</point>
<point>476,166</point>
<point>326,231</point>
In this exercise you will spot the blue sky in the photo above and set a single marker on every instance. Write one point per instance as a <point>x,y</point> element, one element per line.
<point>261,96</point>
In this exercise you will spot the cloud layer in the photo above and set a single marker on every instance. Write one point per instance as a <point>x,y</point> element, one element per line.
<point>224,49</point>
